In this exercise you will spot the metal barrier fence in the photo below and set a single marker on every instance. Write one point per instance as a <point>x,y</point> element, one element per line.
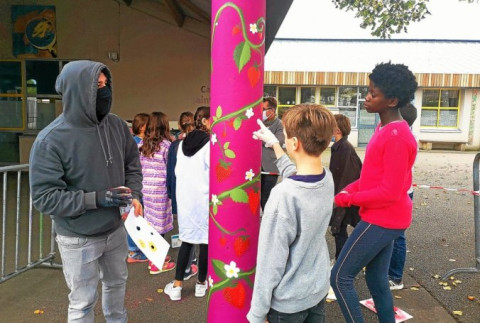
<point>476,214</point>
<point>18,229</point>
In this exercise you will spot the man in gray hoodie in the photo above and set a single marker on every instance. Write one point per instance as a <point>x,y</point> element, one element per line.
<point>269,169</point>
<point>84,166</point>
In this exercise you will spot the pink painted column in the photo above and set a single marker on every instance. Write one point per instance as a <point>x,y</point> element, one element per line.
<point>238,36</point>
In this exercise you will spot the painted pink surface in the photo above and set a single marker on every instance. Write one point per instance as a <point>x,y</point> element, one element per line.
<point>236,96</point>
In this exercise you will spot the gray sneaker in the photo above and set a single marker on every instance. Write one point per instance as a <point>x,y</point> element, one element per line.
<point>395,286</point>
<point>200,289</point>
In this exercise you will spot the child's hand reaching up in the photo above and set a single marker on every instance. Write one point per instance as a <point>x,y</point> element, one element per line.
<point>265,135</point>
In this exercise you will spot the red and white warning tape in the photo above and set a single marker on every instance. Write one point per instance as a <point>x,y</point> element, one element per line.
<point>477,193</point>
<point>270,173</point>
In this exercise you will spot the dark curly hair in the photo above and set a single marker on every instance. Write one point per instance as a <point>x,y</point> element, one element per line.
<point>202,112</point>
<point>395,81</point>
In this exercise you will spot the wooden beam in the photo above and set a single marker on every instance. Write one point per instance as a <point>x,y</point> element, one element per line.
<point>176,12</point>
<point>204,17</point>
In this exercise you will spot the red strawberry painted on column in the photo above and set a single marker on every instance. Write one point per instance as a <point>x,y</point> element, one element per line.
<point>222,171</point>
<point>241,244</point>
<point>235,295</point>
<point>223,241</point>
<point>254,201</point>
<point>253,75</point>
<point>236,29</point>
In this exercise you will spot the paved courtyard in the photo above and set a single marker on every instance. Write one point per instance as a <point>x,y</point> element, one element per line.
<point>441,238</point>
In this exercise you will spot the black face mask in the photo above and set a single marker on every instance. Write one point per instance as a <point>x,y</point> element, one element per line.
<point>104,100</point>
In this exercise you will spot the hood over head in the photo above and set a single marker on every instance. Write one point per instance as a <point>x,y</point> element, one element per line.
<point>194,141</point>
<point>78,85</point>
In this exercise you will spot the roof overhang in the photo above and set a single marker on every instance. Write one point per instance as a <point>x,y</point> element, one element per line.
<point>195,15</point>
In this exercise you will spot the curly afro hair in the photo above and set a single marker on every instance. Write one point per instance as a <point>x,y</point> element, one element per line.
<point>395,81</point>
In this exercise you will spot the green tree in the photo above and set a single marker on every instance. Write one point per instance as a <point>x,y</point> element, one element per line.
<point>385,17</point>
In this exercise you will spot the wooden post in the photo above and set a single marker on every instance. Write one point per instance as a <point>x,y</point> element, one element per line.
<point>237,58</point>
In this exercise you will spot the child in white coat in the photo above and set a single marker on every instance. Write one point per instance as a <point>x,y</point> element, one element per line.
<point>193,165</point>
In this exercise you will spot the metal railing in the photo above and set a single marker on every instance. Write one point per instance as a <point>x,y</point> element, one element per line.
<point>476,214</point>
<point>18,229</point>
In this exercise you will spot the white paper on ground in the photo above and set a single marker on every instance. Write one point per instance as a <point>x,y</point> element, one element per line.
<point>147,239</point>
<point>400,315</point>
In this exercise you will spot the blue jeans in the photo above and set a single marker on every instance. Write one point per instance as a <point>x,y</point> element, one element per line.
<point>397,262</point>
<point>399,255</point>
<point>86,260</point>
<point>368,246</point>
<point>132,246</point>
<point>315,314</point>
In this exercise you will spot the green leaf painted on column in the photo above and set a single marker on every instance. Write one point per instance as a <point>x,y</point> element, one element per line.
<point>226,145</point>
<point>237,123</point>
<point>219,267</point>
<point>218,114</point>
<point>242,54</point>
<point>240,196</point>
<point>230,153</point>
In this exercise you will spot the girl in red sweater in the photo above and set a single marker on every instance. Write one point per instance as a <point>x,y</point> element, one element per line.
<point>381,194</point>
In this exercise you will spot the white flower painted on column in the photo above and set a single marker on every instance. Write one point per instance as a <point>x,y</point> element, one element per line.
<point>232,270</point>
<point>210,281</point>
<point>214,138</point>
<point>249,113</point>
<point>214,199</point>
<point>249,175</point>
<point>253,28</point>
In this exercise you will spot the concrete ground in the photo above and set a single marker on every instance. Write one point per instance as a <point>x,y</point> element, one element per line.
<point>441,238</point>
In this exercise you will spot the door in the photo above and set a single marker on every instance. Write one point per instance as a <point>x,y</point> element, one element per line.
<point>366,124</point>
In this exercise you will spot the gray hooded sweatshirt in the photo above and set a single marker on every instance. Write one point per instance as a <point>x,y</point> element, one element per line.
<point>293,264</point>
<point>77,155</point>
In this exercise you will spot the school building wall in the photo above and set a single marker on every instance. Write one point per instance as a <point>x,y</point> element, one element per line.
<point>465,136</point>
<point>161,66</point>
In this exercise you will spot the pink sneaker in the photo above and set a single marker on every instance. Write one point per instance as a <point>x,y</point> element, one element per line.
<point>154,270</point>
<point>193,271</point>
<point>167,259</point>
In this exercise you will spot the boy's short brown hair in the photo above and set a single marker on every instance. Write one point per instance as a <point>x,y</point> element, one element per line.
<point>343,123</point>
<point>312,124</point>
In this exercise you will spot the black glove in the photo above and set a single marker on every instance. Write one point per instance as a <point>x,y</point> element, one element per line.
<point>118,196</point>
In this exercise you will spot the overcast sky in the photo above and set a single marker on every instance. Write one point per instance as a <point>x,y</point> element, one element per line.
<point>449,19</point>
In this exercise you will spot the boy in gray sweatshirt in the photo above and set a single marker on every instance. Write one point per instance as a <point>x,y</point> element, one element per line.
<point>293,263</point>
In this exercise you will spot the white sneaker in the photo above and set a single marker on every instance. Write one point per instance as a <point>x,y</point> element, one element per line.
<point>395,286</point>
<point>175,293</point>
<point>200,289</point>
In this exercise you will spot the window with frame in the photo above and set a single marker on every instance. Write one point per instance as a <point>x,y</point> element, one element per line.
<point>27,93</point>
<point>11,96</point>
<point>270,91</point>
<point>440,108</point>
<point>348,97</point>
<point>307,95</point>
<point>286,98</point>
<point>327,96</point>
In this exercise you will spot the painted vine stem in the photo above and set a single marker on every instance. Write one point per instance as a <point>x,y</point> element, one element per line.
<point>243,51</point>
<point>247,57</point>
